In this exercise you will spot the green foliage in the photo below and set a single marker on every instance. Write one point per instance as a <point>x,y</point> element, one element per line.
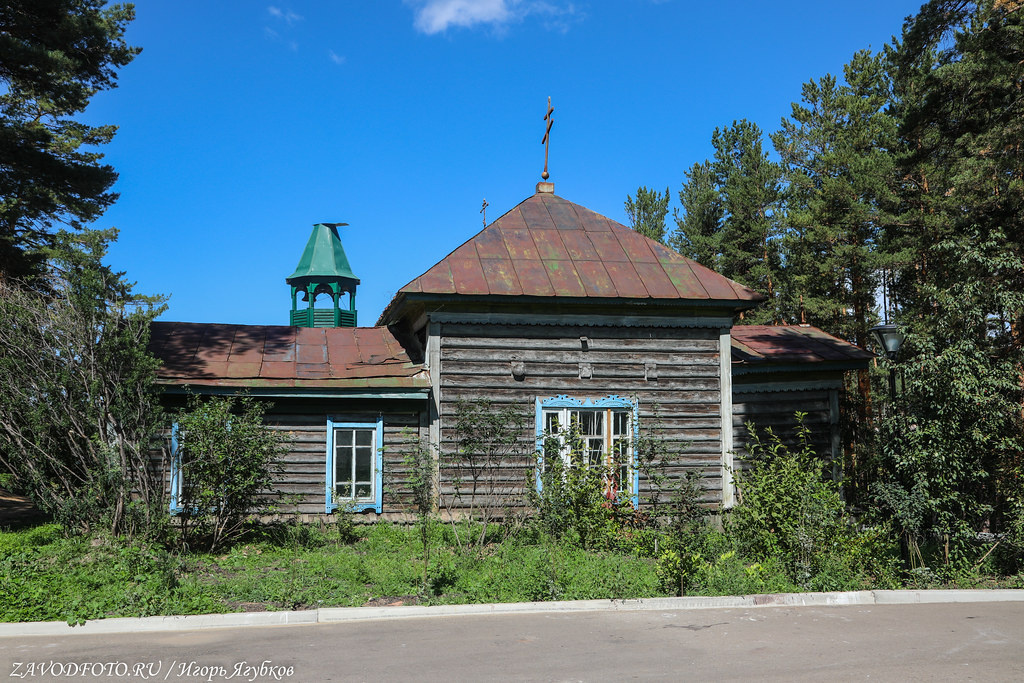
<point>838,151</point>
<point>698,228</point>
<point>229,459</point>
<point>672,504</point>
<point>791,512</point>
<point>420,480</point>
<point>45,576</point>
<point>79,406</point>
<point>572,505</point>
<point>54,56</point>
<point>647,212</point>
<point>960,285</point>
<point>487,441</point>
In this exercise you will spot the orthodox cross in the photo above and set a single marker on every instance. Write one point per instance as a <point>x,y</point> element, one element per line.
<point>547,135</point>
<point>483,210</point>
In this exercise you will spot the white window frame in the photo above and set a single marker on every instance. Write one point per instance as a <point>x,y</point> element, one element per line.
<point>563,405</point>
<point>375,500</point>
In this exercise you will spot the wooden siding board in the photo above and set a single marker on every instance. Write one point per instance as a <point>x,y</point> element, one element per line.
<point>776,410</point>
<point>300,488</point>
<point>684,404</point>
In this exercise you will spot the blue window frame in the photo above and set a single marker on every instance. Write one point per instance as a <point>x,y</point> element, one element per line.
<point>176,474</point>
<point>354,465</point>
<point>606,427</point>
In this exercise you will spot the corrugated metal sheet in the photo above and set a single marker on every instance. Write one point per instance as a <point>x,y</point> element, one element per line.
<point>268,356</point>
<point>547,246</point>
<point>753,344</point>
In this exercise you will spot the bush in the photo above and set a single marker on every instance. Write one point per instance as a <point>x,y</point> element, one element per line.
<point>572,506</point>
<point>228,459</point>
<point>79,406</point>
<point>790,512</point>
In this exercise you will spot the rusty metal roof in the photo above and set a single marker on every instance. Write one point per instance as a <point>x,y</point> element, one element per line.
<point>549,247</point>
<point>759,344</point>
<point>277,356</point>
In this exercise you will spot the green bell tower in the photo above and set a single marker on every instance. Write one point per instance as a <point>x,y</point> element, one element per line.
<point>323,269</point>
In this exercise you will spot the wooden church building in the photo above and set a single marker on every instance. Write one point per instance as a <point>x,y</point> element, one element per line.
<point>559,313</point>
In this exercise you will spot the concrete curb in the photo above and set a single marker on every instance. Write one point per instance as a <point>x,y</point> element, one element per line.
<point>326,615</point>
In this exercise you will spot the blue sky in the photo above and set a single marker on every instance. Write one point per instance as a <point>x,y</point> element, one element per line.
<point>243,123</point>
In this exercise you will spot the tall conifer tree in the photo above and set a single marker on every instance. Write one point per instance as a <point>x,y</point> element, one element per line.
<point>838,150</point>
<point>647,212</point>
<point>54,56</point>
<point>837,147</point>
<point>750,185</point>
<point>698,232</point>
<point>960,247</point>
<point>732,215</point>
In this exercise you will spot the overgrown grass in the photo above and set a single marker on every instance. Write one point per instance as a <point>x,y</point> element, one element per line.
<point>45,576</point>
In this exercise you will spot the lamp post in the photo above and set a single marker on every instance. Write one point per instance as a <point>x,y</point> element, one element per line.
<point>890,339</point>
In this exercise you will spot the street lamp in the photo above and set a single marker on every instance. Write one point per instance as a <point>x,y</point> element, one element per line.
<point>889,338</point>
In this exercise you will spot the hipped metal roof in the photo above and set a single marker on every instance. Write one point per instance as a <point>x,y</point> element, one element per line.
<point>549,247</point>
<point>775,344</point>
<point>323,259</point>
<point>254,356</point>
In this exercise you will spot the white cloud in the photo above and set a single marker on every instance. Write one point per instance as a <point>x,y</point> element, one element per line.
<point>287,16</point>
<point>335,57</point>
<point>436,16</point>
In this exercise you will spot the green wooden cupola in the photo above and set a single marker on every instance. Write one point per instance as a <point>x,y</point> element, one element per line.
<point>323,269</point>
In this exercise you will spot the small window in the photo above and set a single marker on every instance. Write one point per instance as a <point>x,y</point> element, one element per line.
<point>604,428</point>
<point>178,465</point>
<point>180,460</point>
<point>354,465</point>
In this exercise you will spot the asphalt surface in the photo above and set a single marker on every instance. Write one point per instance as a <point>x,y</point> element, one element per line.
<point>922,642</point>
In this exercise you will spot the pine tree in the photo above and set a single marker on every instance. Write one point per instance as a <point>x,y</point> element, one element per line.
<point>54,56</point>
<point>959,243</point>
<point>837,148</point>
<point>750,187</point>
<point>647,212</point>
<point>699,226</point>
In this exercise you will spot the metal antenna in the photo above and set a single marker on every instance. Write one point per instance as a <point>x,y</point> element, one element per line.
<point>547,135</point>
<point>483,210</point>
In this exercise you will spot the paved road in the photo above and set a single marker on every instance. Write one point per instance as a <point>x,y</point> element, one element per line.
<point>954,642</point>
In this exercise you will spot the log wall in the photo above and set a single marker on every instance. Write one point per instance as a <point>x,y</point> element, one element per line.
<point>672,373</point>
<point>301,488</point>
<point>776,410</point>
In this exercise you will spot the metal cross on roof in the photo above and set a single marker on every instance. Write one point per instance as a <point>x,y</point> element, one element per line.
<point>483,210</point>
<point>547,134</point>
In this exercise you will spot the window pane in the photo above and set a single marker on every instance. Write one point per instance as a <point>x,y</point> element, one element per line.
<point>551,423</point>
<point>364,463</point>
<point>590,422</point>
<point>354,458</point>
<point>343,464</point>
<point>620,421</point>
<point>595,451</point>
